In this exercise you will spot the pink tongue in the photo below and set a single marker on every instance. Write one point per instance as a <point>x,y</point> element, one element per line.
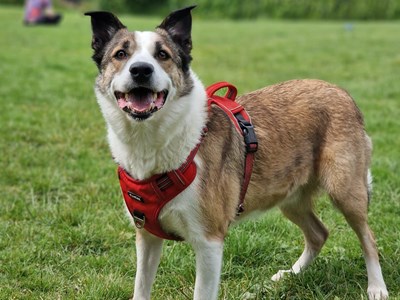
<point>122,103</point>
<point>140,102</point>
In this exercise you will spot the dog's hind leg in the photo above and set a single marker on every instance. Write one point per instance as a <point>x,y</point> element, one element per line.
<point>148,253</point>
<point>346,178</point>
<point>353,203</point>
<point>299,210</point>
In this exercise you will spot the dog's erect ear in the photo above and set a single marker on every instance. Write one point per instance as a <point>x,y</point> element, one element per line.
<point>104,26</point>
<point>179,26</point>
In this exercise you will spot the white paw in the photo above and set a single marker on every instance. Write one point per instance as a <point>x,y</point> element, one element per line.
<point>281,273</point>
<point>377,293</point>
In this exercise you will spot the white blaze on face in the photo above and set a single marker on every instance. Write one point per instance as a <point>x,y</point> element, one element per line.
<point>145,49</point>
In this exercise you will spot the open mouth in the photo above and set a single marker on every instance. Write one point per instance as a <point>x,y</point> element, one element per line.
<point>140,103</point>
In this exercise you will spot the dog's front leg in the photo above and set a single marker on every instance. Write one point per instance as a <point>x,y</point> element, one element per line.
<point>208,269</point>
<point>148,252</point>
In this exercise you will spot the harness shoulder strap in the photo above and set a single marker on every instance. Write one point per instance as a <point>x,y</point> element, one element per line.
<point>242,122</point>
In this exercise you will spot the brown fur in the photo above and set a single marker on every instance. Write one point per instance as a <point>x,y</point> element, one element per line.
<point>173,66</point>
<point>310,135</point>
<point>123,39</point>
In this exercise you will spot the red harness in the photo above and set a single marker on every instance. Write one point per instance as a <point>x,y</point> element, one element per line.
<point>243,125</point>
<point>145,198</point>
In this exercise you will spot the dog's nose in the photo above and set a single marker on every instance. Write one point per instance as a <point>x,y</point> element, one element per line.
<point>141,71</point>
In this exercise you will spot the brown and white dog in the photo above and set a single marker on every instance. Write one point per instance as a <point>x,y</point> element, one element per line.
<point>311,137</point>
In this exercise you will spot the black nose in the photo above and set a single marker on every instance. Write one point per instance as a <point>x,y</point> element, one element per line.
<point>141,72</point>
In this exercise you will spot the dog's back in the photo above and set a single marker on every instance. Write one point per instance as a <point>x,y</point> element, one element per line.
<point>313,134</point>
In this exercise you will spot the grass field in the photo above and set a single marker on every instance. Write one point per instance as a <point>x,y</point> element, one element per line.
<point>63,232</point>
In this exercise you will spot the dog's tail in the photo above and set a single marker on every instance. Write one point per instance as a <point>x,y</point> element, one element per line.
<point>369,186</point>
<point>369,174</point>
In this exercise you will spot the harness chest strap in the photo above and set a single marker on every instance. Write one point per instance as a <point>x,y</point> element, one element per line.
<point>145,198</point>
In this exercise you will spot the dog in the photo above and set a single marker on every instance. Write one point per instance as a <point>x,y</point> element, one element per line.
<point>310,135</point>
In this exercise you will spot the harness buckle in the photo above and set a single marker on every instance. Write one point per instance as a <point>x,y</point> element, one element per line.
<point>239,209</point>
<point>249,135</point>
<point>139,219</point>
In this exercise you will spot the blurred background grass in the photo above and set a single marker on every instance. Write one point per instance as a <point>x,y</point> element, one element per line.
<point>238,9</point>
<point>63,233</point>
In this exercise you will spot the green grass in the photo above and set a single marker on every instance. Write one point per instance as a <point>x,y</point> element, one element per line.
<point>63,232</point>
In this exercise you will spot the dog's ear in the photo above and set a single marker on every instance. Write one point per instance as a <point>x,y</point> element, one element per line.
<point>179,26</point>
<point>104,26</point>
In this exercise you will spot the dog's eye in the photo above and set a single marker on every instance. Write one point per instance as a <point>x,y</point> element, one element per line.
<point>163,55</point>
<point>121,54</point>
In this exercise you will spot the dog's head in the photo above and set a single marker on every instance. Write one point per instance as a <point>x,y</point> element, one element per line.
<point>141,71</point>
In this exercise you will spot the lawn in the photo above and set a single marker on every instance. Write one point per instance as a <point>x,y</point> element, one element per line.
<point>63,232</point>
